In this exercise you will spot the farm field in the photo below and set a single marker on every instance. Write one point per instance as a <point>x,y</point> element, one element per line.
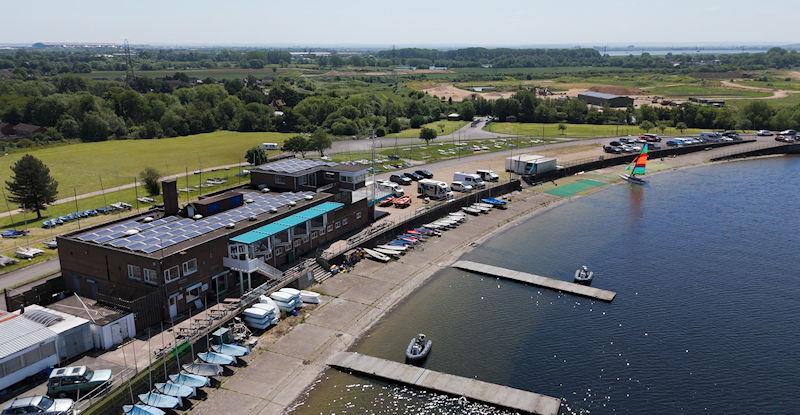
<point>706,91</point>
<point>443,127</point>
<point>79,167</point>
<point>575,130</point>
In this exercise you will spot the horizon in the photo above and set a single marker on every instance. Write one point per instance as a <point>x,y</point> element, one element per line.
<point>518,24</point>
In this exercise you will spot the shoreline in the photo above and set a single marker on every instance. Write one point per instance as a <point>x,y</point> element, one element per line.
<point>355,302</point>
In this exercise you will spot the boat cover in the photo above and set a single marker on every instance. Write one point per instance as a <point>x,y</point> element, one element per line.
<point>141,410</point>
<point>203,369</point>
<point>189,379</point>
<point>159,400</point>
<point>216,358</point>
<point>231,349</point>
<point>173,389</point>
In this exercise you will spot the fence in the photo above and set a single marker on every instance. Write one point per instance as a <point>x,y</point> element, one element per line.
<point>43,294</point>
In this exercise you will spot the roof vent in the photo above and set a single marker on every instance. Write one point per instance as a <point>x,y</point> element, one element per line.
<point>273,210</point>
<point>230,225</point>
<point>249,201</point>
<point>148,219</point>
<point>131,232</point>
<point>198,216</point>
<point>292,203</point>
<point>309,197</point>
<point>265,190</point>
<point>252,218</point>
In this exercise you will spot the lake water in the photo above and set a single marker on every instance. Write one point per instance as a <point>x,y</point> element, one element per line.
<point>705,264</point>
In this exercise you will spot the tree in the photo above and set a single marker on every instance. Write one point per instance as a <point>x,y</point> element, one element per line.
<point>296,144</point>
<point>662,126</point>
<point>256,156</point>
<point>427,134</point>
<point>561,128</point>
<point>320,141</point>
<point>646,126</point>
<point>395,126</point>
<point>31,185</point>
<point>681,126</point>
<point>417,121</point>
<point>151,177</point>
<point>94,127</point>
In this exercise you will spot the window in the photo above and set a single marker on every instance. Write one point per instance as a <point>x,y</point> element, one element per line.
<point>172,274</point>
<point>278,250</point>
<point>344,222</point>
<point>358,215</point>
<point>314,234</point>
<point>135,272</point>
<point>150,276</point>
<point>189,267</point>
<point>330,228</point>
<point>280,180</point>
<point>221,283</point>
<point>338,224</point>
<point>297,242</point>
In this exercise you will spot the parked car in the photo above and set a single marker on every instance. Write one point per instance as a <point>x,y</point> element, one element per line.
<point>13,233</point>
<point>676,142</point>
<point>460,187</point>
<point>731,134</point>
<point>39,405</point>
<point>424,173</point>
<point>413,176</point>
<point>785,138</point>
<point>626,140</point>
<point>70,380</point>
<point>650,138</point>
<point>612,149</point>
<point>628,148</point>
<point>615,144</point>
<point>52,244</point>
<point>789,132</point>
<point>396,178</point>
<point>764,133</point>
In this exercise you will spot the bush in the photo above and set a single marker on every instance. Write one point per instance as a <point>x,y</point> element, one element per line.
<point>150,177</point>
<point>380,132</point>
<point>417,121</point>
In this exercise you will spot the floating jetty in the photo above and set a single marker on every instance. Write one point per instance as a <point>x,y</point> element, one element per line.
<point>477,390</point>
<point>538,280</point>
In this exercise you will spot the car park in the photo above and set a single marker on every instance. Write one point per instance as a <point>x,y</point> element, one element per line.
<point>458,186</point>
<point>39,405</point>
<point>764,133</point>
<point>76,379</point>
<point>396,178</point>
<point>424,173</point>
<point>413,176</point>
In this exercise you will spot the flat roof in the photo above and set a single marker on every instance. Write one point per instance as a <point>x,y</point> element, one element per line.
<point>18,333</point>
<point>352,167</point>
<point>55,320</point>
<point>88,309</point>
<point>294,165</point>
<point>601,95</point>
<point>286,223</point>
<point>135,235</point>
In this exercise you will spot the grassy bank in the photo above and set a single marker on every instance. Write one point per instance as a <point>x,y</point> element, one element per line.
<point>441,127</point>
<point>79,167</point>
<point>575,130</point>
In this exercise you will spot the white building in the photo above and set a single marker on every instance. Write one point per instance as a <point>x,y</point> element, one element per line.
<point>26,348</point>
<point>109,327</point>
<point>74,333</point>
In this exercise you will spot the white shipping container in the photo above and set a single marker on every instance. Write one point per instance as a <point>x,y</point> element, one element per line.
<point>517,164</point>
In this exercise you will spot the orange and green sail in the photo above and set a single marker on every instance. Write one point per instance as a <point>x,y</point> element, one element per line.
<point>637,168</point>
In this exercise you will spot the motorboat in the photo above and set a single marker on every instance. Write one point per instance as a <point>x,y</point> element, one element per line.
<point>418,348</point>
<point>231,349</point>
<point>389,252</point>
<point>139,409</point>
<point>397,248</point>
<point>203,369</point>
<point>310,297</point>
<point>428,231</point>
<point>376,255</point>
<point>188,379</point>
<point>471,210</point>
<point>216,358</point>
<point>295,293</point>
<point>159,400</point>
<point>583,275</point>
<point>173,389</point>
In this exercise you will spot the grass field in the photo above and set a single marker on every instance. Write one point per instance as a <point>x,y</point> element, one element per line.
<point>792,85</point>
<point>790,101</point>
<point>78,167</point>
<point>699,90</point>
<point>219,73</point>
<point>441,127</point>
<point>574,130</point>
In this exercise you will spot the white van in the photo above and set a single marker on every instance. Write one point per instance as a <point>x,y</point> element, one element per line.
<point>434,189</point>
<point>270,146</point>
<point>460,187</point>
<point>488,175</point>
<point>471,179</point>
<point>396,189</point>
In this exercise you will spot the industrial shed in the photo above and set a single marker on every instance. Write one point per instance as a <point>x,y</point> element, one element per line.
<point>74,334</point>
<point>26,348</point>
<point>601,99</point>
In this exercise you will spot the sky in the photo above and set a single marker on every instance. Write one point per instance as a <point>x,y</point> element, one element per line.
<point>401,22</point>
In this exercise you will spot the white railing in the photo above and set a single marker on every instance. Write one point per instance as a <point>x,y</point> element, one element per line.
<point>252,265</point>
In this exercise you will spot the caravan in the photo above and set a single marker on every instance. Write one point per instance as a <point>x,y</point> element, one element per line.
<point>434,189</point>
<point>270,146</point>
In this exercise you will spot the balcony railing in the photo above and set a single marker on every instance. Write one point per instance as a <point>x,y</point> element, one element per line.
<point>252,265</point>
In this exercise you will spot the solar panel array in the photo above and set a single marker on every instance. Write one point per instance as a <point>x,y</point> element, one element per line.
<point>294,165</point>
<point>171,230</point>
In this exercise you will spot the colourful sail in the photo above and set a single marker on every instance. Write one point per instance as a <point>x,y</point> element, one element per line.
<point>637,168</point>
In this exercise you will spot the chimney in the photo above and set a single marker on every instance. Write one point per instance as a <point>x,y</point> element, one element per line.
<point>169,188</point>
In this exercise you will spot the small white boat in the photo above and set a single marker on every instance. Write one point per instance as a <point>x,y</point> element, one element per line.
<point>282,297</point>
<point>431,226</point>
<point>486,205</point>
<point>291,291</point>
<point>389,252</point>
<point>309,297</point>
<point>188,379</point>
<point>397,248</point>
<point>269,308</point>
<point>377,255</point>
<point>471,211</point>
<point>231,349</point>
<point>173,389</point>
<point>481,208</point>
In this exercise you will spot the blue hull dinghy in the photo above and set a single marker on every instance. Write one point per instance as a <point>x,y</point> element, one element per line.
<point>141,410</point>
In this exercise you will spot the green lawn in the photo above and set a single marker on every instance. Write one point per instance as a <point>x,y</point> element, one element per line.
<point>78,167</point>
<point>218,73</point>
<point>699,90</point>
<point>449,127</point>
<point>574,130</point>
<point>773,84</point>
<point>791,101</point>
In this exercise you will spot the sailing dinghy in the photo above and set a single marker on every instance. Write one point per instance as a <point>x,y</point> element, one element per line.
<point>636,168</point>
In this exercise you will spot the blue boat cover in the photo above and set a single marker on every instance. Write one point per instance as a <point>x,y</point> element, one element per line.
<point>141,410</point>
<point>159,400</point>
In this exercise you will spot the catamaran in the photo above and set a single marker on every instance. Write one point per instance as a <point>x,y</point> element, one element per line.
<point>636,168</point>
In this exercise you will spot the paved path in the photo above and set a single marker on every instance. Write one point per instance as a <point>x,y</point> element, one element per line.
<point>29,273</point>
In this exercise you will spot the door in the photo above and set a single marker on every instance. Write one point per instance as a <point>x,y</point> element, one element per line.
<point>116,334</point>
<point>92,289</point>
<point>173,305</point>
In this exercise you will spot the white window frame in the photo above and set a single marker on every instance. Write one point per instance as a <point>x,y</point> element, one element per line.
<point>279,250</point>
<point>338,224</point>
<point>187,270</point>
<point>344,222</point>
<point>330,228</point>
<point>358,215</point>
<point>134,272</point>
<point>150,276</point>
<point>172,274</point>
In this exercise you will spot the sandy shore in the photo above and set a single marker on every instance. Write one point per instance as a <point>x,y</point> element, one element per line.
<point>290,358</point>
